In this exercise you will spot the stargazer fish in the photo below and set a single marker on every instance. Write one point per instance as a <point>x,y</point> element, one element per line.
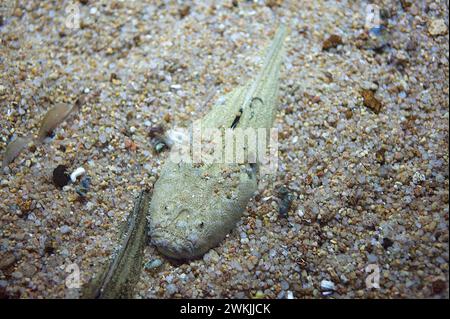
<point>194,206</point>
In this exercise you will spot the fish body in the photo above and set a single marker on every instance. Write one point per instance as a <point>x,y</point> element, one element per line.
<point>14,148</point>
<point>194,206</point>
<point>52,119</point>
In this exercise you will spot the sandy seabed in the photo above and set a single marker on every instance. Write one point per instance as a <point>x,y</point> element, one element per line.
<point>363,143</point>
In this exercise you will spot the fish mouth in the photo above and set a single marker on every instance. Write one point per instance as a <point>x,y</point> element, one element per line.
<point>172,245</point>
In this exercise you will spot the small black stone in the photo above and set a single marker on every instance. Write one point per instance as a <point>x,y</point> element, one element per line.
<point>387,243</point>
<point>285,203</point>
<point>49,249</point>
<point>60,176</point>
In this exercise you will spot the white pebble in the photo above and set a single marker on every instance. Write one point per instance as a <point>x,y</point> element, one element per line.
<point>78,172</point>
<point>327,285</point>
<point>64,229</point>
<point>102,138</point>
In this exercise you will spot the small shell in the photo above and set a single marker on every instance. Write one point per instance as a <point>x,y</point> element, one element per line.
<point>13,149</point>
<point>52,119</point>
<point>78,172</point>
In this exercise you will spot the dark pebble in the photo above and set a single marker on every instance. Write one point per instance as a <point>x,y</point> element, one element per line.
<point>62,148</point>
<point>158,143</point>
<point>49,246</point>
<point>286,199</point>
<point>156,131</point>
<point>387,243</point>
<point>438,286</point>
<point>380,156</point>
<point>184,11</point>
<point>60,176</point>
<point>84,187</point>
<point>86,182</point>
<point>370,101</point>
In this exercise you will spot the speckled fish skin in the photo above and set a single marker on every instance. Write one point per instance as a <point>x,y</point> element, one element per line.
<point>194,206</point>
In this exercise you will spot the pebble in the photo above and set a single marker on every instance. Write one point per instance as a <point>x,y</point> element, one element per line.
<point>7,261</point>
<point>284,285</point>
<point>372,258</point>
<point>259,295</point>
<point>211,256</point>
<point>437,27</point>
<point>171,289</point>
<point>327,285</point>
<point>64,229</point>
<point>152,264</point>
<point>332,42</point>
<point>418,178</point>
<point>28,270</point>
<point>60,176</point>
<point>17,275</point>
<point>102,138</point>
<point>371,101</point>
<point>286,198</point>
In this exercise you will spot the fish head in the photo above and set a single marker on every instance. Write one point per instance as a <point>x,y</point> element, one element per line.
<point>194,208</point>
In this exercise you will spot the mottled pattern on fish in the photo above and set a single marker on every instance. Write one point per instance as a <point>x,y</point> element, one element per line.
<point>194,206</point>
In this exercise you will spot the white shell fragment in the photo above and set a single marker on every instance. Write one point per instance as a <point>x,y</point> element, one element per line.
<point>78,172</point>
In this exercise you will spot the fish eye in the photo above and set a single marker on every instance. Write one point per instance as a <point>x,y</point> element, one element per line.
<point>202,224</point>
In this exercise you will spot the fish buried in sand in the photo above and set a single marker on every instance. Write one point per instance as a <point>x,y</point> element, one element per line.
<point>52,119</point>
<point>194,206</point>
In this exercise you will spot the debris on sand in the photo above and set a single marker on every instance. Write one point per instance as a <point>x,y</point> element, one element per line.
<point>371,101</point>
<point>332,42</point>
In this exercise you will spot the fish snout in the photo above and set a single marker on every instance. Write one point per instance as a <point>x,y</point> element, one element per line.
<point>171,245</point>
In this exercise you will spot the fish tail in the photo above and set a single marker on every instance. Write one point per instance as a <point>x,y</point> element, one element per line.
<point>264,88</point>
<point>268,76</point>
<point>274,54</point>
